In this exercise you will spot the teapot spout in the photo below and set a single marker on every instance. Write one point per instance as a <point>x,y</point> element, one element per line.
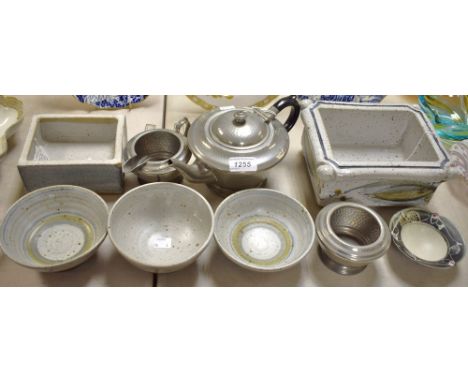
<point>196,173</point>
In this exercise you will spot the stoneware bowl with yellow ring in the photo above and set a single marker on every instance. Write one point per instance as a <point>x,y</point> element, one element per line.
<point>54,228</point>
<point>264,230</point>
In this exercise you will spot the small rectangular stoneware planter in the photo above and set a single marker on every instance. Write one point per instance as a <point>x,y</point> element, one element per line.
<point>378,155</point>
<point>81,150</point>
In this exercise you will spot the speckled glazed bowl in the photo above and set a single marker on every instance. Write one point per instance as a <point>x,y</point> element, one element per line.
<point>54,228</point>
<point>264,230</point>
<point>161,227</point>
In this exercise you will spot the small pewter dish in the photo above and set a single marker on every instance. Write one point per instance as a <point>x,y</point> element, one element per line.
<point>427,238</point>
<point>350,237</point>
<point>264,230</point>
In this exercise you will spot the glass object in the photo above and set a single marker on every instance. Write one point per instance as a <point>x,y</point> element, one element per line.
<point>448,114</point>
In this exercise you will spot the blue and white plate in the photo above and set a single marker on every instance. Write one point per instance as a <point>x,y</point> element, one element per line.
<point>110,101</point>
<point>343,98</point>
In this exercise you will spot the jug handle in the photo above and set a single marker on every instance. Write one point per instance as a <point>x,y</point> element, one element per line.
<point>293,114</point>
<point>182,126</point>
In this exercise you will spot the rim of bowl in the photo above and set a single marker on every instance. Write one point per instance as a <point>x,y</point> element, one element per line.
<point>260,268</point>
<point>15,205</point>
<point>404,250</point>
<point>132,259</point>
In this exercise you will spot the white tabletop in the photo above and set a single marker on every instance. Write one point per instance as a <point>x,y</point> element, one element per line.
<point>108,268</point>
<point>290,176</point>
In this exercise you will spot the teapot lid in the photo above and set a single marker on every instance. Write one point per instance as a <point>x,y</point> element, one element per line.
<point>238,128</point>
<point>218,136</point>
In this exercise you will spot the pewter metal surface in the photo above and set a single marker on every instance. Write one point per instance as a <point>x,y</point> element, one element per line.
<point>351,236</point>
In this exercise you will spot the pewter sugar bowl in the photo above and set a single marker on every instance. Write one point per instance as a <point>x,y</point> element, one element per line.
<point>234,146</point>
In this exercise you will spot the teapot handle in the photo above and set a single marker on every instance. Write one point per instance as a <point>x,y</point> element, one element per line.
<point>293,114</point>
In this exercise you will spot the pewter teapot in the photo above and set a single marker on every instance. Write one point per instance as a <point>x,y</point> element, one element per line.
<point>234,146</point>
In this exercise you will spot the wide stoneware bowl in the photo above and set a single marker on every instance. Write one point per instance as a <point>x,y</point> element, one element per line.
<point>54,228</point>
<point>264,230</point>
<point>161,227</point>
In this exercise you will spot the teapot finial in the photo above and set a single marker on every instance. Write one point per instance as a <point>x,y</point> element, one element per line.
<point>240,118</point>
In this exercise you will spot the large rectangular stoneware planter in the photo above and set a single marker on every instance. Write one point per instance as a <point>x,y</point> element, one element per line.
<point>82,150</point>
<point>378,155</point>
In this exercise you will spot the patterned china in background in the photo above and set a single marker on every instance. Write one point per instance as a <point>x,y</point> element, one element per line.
<point>459,158</point>
<point>343,98</point>
<point>110,101</point>
<point>11,112</point>
<point>209,102</point>
<point>448,114</point>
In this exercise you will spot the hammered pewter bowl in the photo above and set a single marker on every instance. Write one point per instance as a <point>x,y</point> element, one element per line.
<point>264,230</point>
<point>161,227</point>
<point>54,228</point>
<point>351,236</point>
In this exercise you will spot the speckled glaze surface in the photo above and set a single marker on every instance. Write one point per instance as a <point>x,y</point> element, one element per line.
<point>439,225</point>
<point>54,228</point>
<point>264,230</point>
<point>377,155</point>
<point>80,150</point>
<point>161,227</point>
<point>11,112</point>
